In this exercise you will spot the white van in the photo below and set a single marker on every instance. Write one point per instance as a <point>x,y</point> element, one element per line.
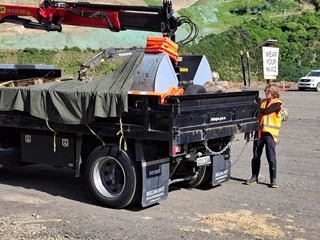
<point>310,81</point>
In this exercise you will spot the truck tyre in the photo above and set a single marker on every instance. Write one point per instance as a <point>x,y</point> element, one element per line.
<point>113,177</point>
<point>194,89</point>
<point>202,176</point>
<point>318,87</point>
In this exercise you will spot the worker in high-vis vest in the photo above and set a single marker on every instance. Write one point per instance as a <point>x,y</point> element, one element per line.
<point>270,122</point>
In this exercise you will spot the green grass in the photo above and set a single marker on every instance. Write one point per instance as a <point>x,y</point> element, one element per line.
<point>69,61</point>
<point>215,16</point>
<point>153,2</point>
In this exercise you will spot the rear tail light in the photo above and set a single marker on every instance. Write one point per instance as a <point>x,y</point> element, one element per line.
<point>176,149</point>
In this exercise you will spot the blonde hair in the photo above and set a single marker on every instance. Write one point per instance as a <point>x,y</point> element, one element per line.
<point>273,89</point>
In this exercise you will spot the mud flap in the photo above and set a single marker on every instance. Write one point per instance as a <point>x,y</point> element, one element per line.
<point>221,168</point>
<point>155,179</point>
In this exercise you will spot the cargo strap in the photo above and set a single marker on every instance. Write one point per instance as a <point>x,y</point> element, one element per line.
<point>54,136</point>
<point>96,135</point>
<point>122,138</point>
<point>120,132</point>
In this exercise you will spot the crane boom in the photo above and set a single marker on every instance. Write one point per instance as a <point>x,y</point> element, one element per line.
<point>51,15</point>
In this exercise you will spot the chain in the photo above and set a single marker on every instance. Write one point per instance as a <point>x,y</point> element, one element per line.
<point>229,145</point>
<point>175,168</point>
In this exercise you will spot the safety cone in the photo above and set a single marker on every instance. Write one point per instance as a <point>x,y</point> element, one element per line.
<point>283,87</point>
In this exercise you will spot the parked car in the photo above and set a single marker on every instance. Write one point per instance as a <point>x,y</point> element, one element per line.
<point>310,81</point>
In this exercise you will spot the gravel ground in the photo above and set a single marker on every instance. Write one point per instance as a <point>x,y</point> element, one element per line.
<point>39,202</point>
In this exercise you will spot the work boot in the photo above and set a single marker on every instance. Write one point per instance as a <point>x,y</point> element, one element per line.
<point>273,175</point>
<point>253,180</point>
<point>255,167</point>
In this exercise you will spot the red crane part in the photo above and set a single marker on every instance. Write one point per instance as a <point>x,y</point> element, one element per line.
<point>50,15</point>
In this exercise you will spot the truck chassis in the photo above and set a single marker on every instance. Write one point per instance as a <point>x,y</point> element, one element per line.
<point>136,157</point>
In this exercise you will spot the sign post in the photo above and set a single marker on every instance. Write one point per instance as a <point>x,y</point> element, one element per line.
<point>270,59</point>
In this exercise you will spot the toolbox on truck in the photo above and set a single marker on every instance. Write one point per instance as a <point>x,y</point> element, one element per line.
<point>48,149</point>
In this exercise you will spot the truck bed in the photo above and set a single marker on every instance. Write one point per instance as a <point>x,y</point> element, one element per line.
<point>186,118</point>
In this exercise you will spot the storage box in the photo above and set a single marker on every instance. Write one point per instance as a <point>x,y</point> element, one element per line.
<point>59,151</point>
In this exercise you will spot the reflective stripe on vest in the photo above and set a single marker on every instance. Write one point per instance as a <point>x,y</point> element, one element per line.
<point>272,122</point>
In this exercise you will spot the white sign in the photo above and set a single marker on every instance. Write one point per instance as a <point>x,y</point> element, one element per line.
<point>270,58</point>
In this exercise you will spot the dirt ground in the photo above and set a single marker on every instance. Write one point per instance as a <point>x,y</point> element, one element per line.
<point>39,202</point>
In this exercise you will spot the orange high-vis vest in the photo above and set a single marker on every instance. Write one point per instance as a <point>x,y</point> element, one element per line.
<point>272,122</point>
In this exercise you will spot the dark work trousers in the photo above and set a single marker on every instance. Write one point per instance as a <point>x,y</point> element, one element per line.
<point>258,145</point>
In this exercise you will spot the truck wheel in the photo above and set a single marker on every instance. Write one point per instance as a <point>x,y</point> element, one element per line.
<point>194,89</point>
<point>203,174</point>
<point>318,87</point>
<point>112,177</point>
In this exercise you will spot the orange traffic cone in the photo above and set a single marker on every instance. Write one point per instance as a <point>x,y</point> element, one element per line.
<point>283,87</point>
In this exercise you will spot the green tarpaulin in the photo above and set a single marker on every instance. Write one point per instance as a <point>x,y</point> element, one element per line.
<point>75,102</point>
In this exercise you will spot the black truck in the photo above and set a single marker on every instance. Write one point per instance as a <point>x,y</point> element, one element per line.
<point>122,132</point>
<point>133,154</point>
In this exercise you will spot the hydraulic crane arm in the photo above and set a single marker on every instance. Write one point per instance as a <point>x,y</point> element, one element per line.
<point>50,15</point>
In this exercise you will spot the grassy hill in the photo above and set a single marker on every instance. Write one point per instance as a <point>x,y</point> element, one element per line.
<point>225,29</point>
<point>244,25</point>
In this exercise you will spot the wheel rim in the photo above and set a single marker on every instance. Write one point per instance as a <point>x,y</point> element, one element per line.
<point>109,177</point>
<point>199,178</point>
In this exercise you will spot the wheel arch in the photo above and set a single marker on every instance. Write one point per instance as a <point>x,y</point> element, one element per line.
<point>113,176</point>
<point>90,143</point>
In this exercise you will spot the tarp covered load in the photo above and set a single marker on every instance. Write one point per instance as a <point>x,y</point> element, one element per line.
<point>75,102</point>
